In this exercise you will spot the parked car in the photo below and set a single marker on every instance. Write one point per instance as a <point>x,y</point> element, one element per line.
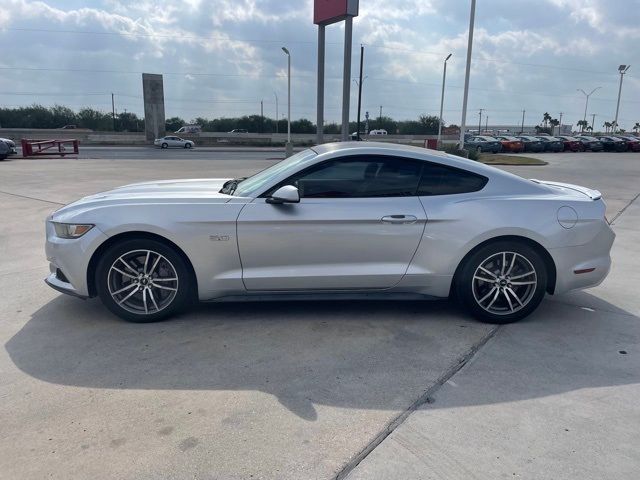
<point>499,241</point>
<point>354,136</point>
<point>379,131</point>
<point>590,143</point>
<point>551,144</point>
<point>482,143</point>
<point>4,151</point>
<point>511,144</point>
<point>571,144</point>
<point>633,143</point>
<point>239,130</point>
<point>169,141</point>
<point>531,144</point>
<point>613,144</point>
<point>11,144</point>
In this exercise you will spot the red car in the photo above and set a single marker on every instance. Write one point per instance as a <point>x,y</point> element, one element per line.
<point>571,144</point>
<point>633,143</point>
<point>511,144</point>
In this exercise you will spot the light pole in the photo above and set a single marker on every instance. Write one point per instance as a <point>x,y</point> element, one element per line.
<point>465,97</point>
<point>276,95</point>
<point>622,69</point>
<point>444,79</point>
<point>586,103</point>
<point>288,146</point>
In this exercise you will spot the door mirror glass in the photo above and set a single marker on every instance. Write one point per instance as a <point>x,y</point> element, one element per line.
<point>285,194</point>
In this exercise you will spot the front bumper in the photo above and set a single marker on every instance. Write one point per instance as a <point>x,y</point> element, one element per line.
<point>72,258</point>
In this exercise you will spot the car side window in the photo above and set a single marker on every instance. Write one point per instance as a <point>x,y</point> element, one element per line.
<point>359,177</point>
<point>441,180</point>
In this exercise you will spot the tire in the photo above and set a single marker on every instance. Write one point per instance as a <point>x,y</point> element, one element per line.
<point>164,145</point>
<point>479,149</point>
<point>496,299</point>
<point>187,145</point>
<point>151,297</point>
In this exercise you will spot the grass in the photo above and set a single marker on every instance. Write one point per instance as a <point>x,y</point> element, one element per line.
<point>493,159</point>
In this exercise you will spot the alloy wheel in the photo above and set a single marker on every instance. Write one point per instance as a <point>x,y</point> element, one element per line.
<point>143,282</point>
<point>504,283</point>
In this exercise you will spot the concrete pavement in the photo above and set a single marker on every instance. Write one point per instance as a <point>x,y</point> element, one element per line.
<point>306,390</point>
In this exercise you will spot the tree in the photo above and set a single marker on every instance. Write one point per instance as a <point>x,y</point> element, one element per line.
<point>173,124</point>
<point>429,124</point>
<point>582,124</point>
<point>607,126</point>
<point>636,127</point>
<point>546,118</point>
<point>554,122</point>
<point>589,128</point>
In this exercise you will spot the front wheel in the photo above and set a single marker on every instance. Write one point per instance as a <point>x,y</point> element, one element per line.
<point>479,149</point>
<point>502,282</point>
<point>164,145</point>
<point>187,145</point>
<point>143,280</point>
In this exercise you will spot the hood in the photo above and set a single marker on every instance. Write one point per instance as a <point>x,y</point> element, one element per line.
<point>163,191</point>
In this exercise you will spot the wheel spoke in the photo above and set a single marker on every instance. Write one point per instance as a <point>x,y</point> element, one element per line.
<point>146,261</point>
<point>123,273</point>
<point>482,279</point>
<point>155,264</point>
<point>488,272</point>
<point>504,263</point>
<point>131,285</point>
<point>144,300</point>
<point>515,296</point>
<point>495,297</point>
<point>506,295</point>
<point>513,261</point>
<point>165,288</point>
<point>127,297</point>
<point>522,275</point>
<point>165,280</point>
<point>533,282</point>
<point>487,295</point>
<point>153,299</point>
<point>128,266</point>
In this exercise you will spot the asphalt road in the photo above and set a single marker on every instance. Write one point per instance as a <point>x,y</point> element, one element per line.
<point>310,390</point>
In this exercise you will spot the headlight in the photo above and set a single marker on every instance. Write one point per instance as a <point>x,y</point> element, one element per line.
<point>70,230</point>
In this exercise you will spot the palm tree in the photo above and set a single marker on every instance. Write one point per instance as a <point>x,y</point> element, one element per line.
<point>636,127</point>
<point>589,128</point>
<point>607,126</point>
<point>582,124</point>
<point>546,118</point>
<point>554,122</point>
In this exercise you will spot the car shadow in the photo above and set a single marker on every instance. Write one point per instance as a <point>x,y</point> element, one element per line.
<point>356,354</point>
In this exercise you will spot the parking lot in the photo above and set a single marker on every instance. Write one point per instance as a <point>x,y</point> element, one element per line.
<point>315,390</point>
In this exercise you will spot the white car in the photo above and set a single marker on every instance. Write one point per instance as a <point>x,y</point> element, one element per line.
<point>10,144</point>
<point>378,132</point>
<point>342,220</point>
<point>169,141</point>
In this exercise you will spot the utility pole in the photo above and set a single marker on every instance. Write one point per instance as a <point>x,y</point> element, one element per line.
<point>593,121</point>
<point>622,69</point>
<point>360,91</point>
<point>113,111</point>
<point>261,116</point>
<point>276,95</point>
<point>486,123</point>
<point>560,124</point>
<point>522,128</point>
<point>480,121</point>
<point>288,145</point>
<point>346,79</point>
<point>380,117</point>
<point>465,97</point>
<point>444,79</point>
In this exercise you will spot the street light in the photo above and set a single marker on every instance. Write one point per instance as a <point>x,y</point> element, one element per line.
<point>444,78</point>
<point>288,146</point>
<point>586,103</point>
<point>465,96</point>
<point>622,69</point>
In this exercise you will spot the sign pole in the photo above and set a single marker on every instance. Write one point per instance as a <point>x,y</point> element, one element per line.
<point>346,79</point>
<point>320,113</point>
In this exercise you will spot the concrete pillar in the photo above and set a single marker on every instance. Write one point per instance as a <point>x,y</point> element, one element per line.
<point>153,93</point>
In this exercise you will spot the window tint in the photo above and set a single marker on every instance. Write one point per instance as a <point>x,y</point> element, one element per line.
<point>441,180</point>
<point>359,177</point>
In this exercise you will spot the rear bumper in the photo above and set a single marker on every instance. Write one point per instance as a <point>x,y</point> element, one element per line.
<point>593,259</point>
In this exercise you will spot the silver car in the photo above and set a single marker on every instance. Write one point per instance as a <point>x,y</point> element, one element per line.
<point>348,220</point>
<point>171,141</point>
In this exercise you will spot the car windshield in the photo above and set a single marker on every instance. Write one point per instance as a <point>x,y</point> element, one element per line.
<point>246,188</point>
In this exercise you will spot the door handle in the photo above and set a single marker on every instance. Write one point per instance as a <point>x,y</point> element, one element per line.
<point>400,219</point>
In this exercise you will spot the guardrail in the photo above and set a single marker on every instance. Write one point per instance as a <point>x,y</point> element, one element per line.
<point>40,148</point>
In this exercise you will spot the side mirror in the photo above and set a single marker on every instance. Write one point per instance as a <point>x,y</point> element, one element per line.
<point>285,194</point>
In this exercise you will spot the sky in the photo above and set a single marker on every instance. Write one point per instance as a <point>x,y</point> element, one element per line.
<point>223,57</point>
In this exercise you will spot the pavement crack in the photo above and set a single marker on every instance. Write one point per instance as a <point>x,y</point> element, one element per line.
<point>624,208</point>
<point>424,398</point>
<point>31,198</point>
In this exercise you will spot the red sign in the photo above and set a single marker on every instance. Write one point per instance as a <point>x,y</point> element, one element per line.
<point>326,12</point>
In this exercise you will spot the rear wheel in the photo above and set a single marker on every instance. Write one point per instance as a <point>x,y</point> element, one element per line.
<point>502,282</point>
<point>479,149</point>
<point>165,145</point>
<point>143,280</point>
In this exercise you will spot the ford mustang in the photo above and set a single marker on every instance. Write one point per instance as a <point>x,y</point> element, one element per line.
<point>347,220</point>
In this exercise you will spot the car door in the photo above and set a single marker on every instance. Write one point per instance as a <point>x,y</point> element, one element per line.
<point>357,226</point>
